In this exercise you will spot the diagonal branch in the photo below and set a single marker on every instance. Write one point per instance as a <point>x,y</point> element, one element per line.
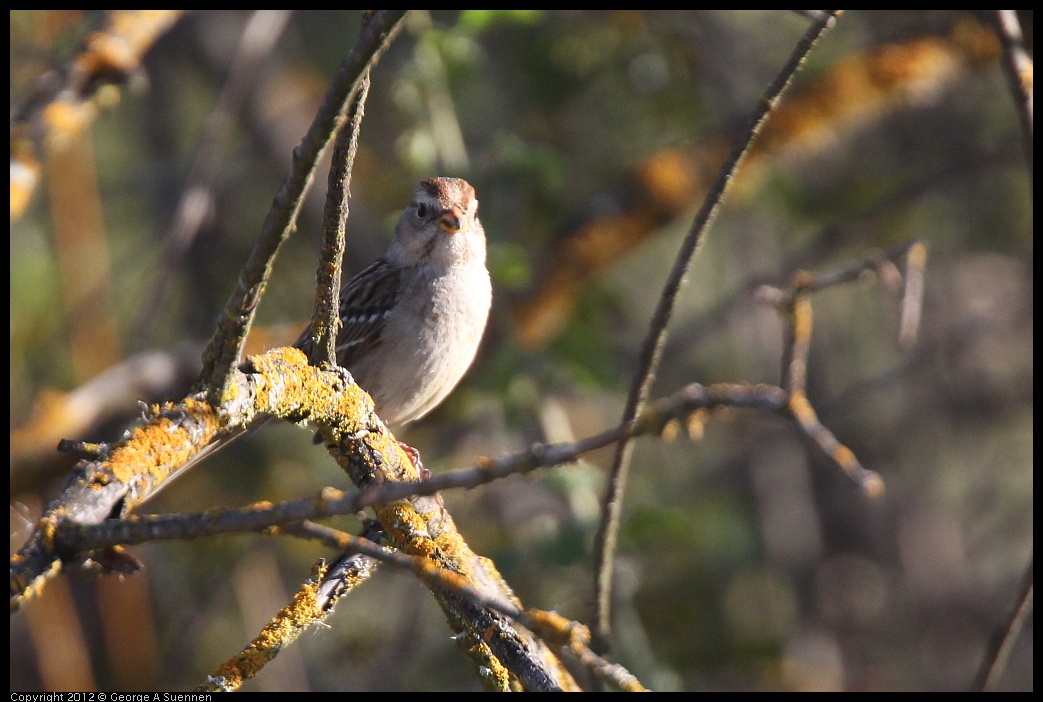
<point>280,383</point>
<point>326,320</point>
<point>312,604</point>
<point>652,349</point>
<point>226,346</point>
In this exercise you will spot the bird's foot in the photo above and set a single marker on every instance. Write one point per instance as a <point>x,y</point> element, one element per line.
<point>414,457</point>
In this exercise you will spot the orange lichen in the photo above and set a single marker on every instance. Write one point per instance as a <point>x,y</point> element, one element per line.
<point>282,629</point>
<point>165,443</point>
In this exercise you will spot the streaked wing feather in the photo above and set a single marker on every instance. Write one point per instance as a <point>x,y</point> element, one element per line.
<point>364,304</point>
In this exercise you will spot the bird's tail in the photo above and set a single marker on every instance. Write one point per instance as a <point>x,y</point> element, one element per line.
<point>205,452</point>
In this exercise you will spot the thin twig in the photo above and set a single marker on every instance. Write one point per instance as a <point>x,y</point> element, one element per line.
<point>652,349</point>
<point>326,320</point>
<point>225,347</point>
<point>136,529</point>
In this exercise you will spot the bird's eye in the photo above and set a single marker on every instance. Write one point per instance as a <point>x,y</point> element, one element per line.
<point>422,210</point>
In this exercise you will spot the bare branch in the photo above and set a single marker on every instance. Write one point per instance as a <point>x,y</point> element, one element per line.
<point>652,348</point>
<point>326,320</point>
<point>225,347</point>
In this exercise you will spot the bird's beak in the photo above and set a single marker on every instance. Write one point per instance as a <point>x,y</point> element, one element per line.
<point>452,220</point>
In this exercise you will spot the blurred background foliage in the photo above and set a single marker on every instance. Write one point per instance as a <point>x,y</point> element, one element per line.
<point>746,560</point>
